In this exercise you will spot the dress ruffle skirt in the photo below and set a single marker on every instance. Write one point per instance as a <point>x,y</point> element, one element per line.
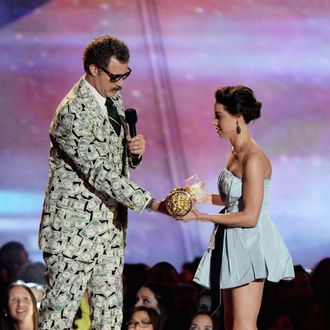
<point>248,253</point>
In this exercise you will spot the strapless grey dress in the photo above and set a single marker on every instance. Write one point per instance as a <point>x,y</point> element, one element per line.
<point>248,253</point>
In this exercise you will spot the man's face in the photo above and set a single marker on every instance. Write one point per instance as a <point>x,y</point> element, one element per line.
<point>103,78</point>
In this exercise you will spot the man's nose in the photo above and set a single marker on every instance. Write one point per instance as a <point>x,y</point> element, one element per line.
<point>120,82</point>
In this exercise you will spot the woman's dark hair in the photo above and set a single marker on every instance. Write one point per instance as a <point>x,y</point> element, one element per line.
<point>101,49</point>
<point>320,279</point>
<point>239,100</point>
<point>153,315</point>
<point>33,298</point>
<point>163,297</point>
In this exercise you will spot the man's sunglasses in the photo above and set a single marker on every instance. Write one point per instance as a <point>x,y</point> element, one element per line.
<point>116,77</point>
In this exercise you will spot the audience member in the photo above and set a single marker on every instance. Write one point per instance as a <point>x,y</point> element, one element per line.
<point>188,270</point>
<point>204,301</point>
<point>185,303</point>
<point>202,321</point>
<point>33,272</point>
<point>134,276</point>
<point>313,316</point>
<point>291,294</point>
<point>277,319</point>
<point>13,257</point>
<point>165,274</point>
<point>37,290</point>
<point>303,289</point>
<point>22,307</point>
<point>320,279</point>
<point>158,297</point>
<point>177,302</point>
<point>144,318</point>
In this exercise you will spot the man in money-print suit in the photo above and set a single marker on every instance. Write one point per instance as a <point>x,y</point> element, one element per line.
<point>82,230</point>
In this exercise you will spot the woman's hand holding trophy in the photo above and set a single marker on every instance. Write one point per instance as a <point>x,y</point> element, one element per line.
<point>180,201</point>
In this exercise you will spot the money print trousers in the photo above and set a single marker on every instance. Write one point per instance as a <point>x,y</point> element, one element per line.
<point>66,281</point>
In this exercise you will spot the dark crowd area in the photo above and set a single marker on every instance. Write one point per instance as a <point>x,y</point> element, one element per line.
<point>300,304</point>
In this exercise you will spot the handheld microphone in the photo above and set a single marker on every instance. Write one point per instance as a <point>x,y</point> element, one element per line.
<point>131,119</point>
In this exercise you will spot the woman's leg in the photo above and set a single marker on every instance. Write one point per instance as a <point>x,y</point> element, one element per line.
<point>242,305</point>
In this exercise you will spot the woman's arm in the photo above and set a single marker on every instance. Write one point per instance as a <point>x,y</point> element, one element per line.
<point>252,194</point>
<point>212,199</point>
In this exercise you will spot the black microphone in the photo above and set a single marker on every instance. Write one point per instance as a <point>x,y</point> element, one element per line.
<point>131,119</point>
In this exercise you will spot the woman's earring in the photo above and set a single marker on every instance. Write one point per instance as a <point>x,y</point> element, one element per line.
<point>238,129</point>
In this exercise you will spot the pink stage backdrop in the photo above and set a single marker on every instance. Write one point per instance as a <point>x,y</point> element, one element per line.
<point>181,52</point>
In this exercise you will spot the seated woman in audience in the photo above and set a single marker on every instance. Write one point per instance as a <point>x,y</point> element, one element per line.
<point>202,321</point>
<point>144,318</point>
<point>159,298</point>
<point>22,307</point>
<point>38,290</point>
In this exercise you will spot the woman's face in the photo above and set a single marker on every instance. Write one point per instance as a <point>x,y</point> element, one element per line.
<point>20,305</point>
<point>140,320</point>
<point>201,322</point>
<point>145,297</point>
<point>224,122</point>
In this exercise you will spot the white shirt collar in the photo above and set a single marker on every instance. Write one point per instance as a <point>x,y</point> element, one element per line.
<point>99,98</point>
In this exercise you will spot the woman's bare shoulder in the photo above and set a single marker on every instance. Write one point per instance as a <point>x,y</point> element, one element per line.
<point>257,159</point>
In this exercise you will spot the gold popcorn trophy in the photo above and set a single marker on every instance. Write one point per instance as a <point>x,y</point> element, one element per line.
<point>180,200</point>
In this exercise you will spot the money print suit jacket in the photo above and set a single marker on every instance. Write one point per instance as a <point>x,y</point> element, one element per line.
<point>88,178</point>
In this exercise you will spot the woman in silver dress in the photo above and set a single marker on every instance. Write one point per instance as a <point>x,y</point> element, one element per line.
<point>245,247</point>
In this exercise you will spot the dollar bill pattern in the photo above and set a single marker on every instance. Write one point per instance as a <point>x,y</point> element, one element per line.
<point>86,181</point>
<point>67,279</point>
